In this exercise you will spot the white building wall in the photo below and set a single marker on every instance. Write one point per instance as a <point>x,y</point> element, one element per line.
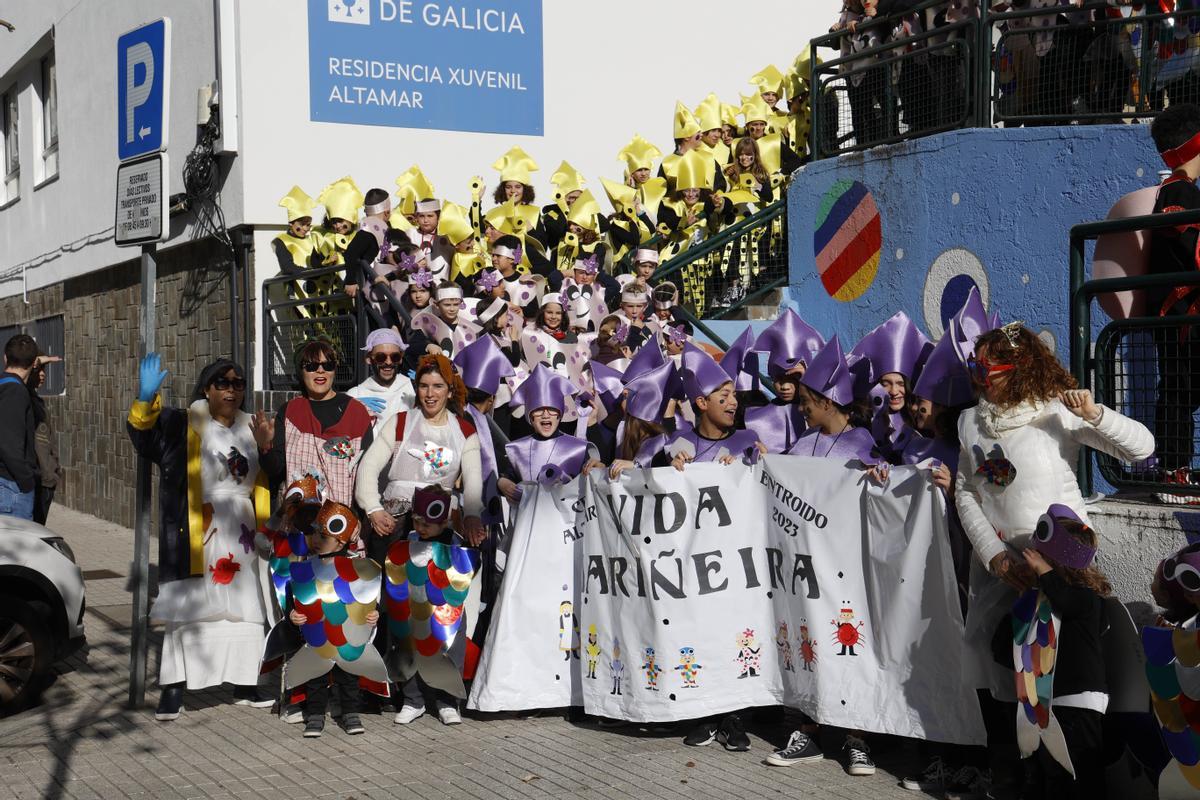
<point>64,228</point>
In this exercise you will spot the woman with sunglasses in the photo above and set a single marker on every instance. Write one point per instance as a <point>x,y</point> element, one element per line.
<point>212,496</point>
<point>321,431</point>
<point>387,390</point>
<point>1020,447</point>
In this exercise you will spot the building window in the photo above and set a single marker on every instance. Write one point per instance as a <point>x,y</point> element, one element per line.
<point>48,333</point>
<point>49,98</point>
<point>12,157</point>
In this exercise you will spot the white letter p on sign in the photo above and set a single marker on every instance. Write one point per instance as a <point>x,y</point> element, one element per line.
<point>136,93</point>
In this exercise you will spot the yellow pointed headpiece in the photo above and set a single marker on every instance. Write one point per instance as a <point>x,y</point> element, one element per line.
<point>768,79</point>
<point>639,154</point>
<point>585,212</point>
<point>622,198</point>
<point>685,123</point>
<point>729,115</point>
<point>513,218</point>
<point>566,179</point>
<point>708,113</point>
<point>298,204</point>
<point>412,187</point>
<point>754,109</point>
<point>516,165</point>
<point>342,200</point>
<point>454,223</point>
<point>695,170</point>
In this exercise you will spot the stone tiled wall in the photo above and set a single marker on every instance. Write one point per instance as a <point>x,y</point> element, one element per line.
<point>100,332</point>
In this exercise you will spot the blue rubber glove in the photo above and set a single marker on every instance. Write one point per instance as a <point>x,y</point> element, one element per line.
<point>374,404</point>
<point>150,377</point>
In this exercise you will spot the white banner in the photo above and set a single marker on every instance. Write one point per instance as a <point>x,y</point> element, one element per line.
<point>794,582</point>
<point>532,655</point>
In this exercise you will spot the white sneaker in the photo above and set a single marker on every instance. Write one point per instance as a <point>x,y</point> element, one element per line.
<point>449,715</point>
<point>409,714</point>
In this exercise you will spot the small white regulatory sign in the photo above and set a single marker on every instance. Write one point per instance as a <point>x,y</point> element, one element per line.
<point>142,201</point>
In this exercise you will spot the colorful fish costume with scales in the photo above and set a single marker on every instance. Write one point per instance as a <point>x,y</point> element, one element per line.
<point>427,589</point>
<point>1173,669</point>
<point>1035,649</point>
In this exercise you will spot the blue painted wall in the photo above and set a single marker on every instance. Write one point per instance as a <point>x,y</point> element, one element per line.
<point>994,205</point>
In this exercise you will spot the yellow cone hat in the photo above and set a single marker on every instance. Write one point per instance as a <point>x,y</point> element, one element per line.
<point>729,115</point>
<point>639,154</point>
<point>585,212</point>
<point>298,204</point>
<point>454,223</point>
<point>708,113</point>
<point>516,165</point>
<point>695,170</point>
<point>566,179</point>
<point>622,198</point>
<point>412,187</point>
<point>768,79</point>
<point>755,110</point>
<point>342,199</point>
<point>685,122</point>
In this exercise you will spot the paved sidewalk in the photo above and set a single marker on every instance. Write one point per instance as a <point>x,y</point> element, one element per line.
<point>83,742</point>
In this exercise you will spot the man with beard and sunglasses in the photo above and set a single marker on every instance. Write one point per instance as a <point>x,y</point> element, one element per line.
<point>388,390</point>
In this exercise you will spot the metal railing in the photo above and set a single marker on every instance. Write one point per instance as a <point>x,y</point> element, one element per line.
<point>1141,366</point>
<point>1039,66</point>
<point>750,254</point>
<point>290,315</point>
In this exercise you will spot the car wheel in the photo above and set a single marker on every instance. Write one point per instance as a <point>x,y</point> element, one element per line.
<point>26,652</point>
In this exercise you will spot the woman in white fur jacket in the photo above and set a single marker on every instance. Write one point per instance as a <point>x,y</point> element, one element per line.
<point>1020,446</point>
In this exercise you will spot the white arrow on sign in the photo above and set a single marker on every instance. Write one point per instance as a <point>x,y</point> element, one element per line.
<point>143,132</point>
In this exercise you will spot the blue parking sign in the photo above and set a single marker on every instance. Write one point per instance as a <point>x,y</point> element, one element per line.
<point>143,83</point>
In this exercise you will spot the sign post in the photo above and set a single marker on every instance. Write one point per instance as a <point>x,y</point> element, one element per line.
<point>143,184</point>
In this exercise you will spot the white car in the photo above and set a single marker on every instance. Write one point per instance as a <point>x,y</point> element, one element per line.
<point>41,608</point>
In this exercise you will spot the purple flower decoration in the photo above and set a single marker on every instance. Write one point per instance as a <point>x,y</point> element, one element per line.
<point>423,277</point>
<point>518,253</point>
<point>246,539</point>
<point>407,262</point>
<point>589,265</point>
<point>675,335</point>
<point>621,333</point>
<point>488,279</point>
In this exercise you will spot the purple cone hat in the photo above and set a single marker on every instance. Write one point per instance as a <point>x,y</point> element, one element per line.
<point>973,318</point>
<point>741,362</point>
<point>544,388</point>
<point>788,341</point>
<point>701,375</point>
<point>648,357</point>
<point>828,374</point>
<point>649,393</point>
<point>944,378</point>
<point>482,364</point>
<point>609,385</point>
<point>894,346</point>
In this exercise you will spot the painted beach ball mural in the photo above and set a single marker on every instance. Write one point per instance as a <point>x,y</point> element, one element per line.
<point>848,240</point>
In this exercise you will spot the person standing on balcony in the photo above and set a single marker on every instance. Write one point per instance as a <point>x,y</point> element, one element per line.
<point>1176,134</point>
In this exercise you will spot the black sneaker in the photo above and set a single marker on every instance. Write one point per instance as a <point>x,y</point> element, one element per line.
<point>934,778</point>
<point>969,783</point>
<point>800,749</point>
<point>351,724</point>
<point>292,714</point>
<point>858,757</point>
<point>732,734</point>
<point>170,704</point>
<point>314,727</point>
<point>253,696</point>
<point>703,734</point>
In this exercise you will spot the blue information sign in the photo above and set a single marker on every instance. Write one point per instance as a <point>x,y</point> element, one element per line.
<point>456,66</point>
<point>143,78</point>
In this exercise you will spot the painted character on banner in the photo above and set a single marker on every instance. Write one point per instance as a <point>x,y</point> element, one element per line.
<point>688,668</point>
<point>808,649</point>
<point>785,647</point>
<point>848,632</point>
<point>568,631</point>
<point>592,650</point>
<point>749,653</point>
<point>617,667</point>
<point>652,669</point>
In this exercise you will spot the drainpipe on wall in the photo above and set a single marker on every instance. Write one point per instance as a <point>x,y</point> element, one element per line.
<point>243,252</point>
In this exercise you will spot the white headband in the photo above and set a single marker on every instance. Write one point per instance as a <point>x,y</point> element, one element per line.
<point>498,307</point>
<point>633,297</point>
<point>377,208</point>
<point>449,293</point>
<point>501,250</point>
<point>425,206</point>
<point>645,255</point>
<point>551,297</point>
<point>664,305</point>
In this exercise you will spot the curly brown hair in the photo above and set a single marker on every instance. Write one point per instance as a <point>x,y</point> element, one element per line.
<point>1089,577</point>
<point>443,367</point>
<point>1037,374</point>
